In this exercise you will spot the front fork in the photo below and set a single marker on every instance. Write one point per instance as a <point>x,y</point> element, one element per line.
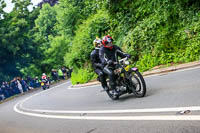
<point>128,75</point>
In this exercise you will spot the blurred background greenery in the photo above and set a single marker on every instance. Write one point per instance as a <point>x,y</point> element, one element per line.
<point>154,32</point>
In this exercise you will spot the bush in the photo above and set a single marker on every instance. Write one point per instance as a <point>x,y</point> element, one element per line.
<point>82,76</point>
<point>82,44</point>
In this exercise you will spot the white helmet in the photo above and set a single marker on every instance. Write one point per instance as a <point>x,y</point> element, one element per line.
<point>43,74</point>
<point>97,41</point>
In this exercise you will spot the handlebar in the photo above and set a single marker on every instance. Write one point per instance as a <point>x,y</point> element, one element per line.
<point>123,59</point>
<point>119,61</point>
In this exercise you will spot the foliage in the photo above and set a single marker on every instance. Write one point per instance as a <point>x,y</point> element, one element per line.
<point>82,46</point>
<point>154,32</point>
<point>55,54</point>
<point>94,26</point>
<point>2,6</point>
<point>163,35</point>
<point>17,48</point>
<point>50,2</point>
<point>82,75</point>
<point>45,23</point>
<point>68,16</point>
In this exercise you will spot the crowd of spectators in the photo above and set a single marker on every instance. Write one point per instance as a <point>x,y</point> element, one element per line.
<point>19,85</point>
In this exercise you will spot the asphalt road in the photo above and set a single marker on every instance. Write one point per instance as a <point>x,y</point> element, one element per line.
<point>171,105</point>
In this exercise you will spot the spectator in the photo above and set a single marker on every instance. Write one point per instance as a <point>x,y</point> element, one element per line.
<point>49,80</point>
<point>60,74</point>
<point>2,97</point>
<point>5,90</point>
<point>31,84</point>
<point>9,89</point>
<point>24,85</point>
<point>13,86</point>
<point>54,75</point>
<point>64,72</point>
<point>37,82</point>
<point>19,86</point>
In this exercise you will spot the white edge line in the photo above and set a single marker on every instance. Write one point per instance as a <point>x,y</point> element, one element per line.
<point>126,118</point>
<point>153,110</point>
<point>77,88</point>
<point>164,117</point>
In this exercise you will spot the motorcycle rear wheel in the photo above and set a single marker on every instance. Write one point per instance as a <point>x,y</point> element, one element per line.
<point>137,84</point>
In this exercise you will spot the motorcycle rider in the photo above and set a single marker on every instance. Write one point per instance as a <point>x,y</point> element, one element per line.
<point>107,55</point>
<point>44,76</point>
<point>44,79</point>
<point>96,63</point>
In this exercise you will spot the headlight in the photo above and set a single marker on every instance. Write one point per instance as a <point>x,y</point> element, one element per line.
<point>126,63</point>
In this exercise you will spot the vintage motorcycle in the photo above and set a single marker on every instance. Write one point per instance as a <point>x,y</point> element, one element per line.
<point>128,80</point>
<point>45,84</point>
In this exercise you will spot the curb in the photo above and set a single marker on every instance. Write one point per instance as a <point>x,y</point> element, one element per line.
<point>171,68</point>
<point>151,72</point>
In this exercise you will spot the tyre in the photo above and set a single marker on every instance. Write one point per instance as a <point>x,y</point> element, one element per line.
<point>44,87</point>
<point>137,84</point>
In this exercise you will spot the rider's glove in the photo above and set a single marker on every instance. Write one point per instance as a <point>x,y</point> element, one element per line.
<point>128,55</point>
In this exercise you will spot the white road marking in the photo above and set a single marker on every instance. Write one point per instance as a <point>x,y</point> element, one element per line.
<point>77,88</point>
<point>126,118</point>
<point>37,113</point>
<point>26,99</point>
<point>152,110</point>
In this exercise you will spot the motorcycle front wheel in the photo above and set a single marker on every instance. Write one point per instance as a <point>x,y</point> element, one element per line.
<point>137,84</point>
<point>44,87</point>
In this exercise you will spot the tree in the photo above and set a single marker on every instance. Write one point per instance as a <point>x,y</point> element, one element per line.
<point>45,24</point>
<point>50,2</point>
<point>17,49</point>
<point>2,6</point>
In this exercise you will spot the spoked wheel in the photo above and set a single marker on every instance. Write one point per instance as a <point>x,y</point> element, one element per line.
<point>137,84</point>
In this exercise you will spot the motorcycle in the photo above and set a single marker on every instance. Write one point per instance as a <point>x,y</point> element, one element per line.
<point>128,80</point>
<point>45,84</point>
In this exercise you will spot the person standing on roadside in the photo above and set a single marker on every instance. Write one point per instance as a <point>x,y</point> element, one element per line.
<point>5,90</point>
<point>64,70</point>
<point>60,74</point>
<point>19,85</point>
<point>54,75</point>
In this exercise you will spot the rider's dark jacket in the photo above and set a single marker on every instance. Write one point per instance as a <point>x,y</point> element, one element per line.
<point>94,57</point>
<point>106,54</point>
